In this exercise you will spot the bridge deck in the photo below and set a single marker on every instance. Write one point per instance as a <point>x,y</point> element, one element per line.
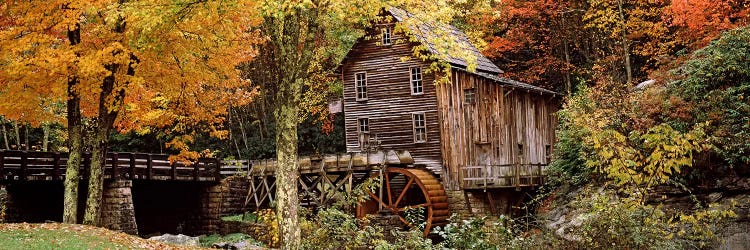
<point>40,166</point>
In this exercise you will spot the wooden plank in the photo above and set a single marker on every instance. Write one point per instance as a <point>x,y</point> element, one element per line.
<point>56,167</point>
<point>2,165</point>
<point>131,170</point>
<point>115,166</point>
<point>149,167</point>
<point>24,166</point>
<point>196,170</point>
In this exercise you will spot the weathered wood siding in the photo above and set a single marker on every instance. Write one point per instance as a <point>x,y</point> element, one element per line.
<point>489,131</point>
<point>390,103</point>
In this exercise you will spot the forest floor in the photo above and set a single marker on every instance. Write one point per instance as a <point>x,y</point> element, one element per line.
<point>67,236</point>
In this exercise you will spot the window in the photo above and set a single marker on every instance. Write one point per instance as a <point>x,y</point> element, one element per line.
<point>416,80</point>
<point>386,36</point>
<point>363,125</point>
<point>363,132</point>
<point>360,82</point>
<point>469,96</point>
<point>420,130</point>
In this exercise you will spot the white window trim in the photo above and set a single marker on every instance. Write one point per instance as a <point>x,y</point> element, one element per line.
<point>356,88</point>
<point>411,80</point>
<point>473,98</point>
<point>383,40</point>
<point>359,130</point>
<point>414,127</point>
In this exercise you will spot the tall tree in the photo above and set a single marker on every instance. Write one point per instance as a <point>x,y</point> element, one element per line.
<point>89,53</point>
<point>301,37</point>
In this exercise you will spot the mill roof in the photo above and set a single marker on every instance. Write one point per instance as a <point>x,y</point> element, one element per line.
<point>423,32</point>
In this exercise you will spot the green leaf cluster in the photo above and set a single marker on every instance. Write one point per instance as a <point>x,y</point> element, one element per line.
<point>716,81</point>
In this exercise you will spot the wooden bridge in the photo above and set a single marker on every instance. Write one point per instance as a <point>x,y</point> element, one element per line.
<point>321,177</point>
<point>44,166</point>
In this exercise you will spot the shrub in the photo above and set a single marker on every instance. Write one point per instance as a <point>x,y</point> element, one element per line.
<point>716,82</point>
<point>334,229</point>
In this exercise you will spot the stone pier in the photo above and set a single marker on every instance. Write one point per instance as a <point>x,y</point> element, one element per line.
<point>118,211</point>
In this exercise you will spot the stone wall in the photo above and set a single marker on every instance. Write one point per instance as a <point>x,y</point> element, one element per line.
<point>118,212</point>
<point>477,203</point>
<point>223,199</point>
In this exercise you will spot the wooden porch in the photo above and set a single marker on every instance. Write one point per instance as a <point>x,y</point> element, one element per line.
<point>502,176</point>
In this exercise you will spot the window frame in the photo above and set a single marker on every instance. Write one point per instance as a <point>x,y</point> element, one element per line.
<point>415,127</point>
<point>386,36</point>
<point>412,81</point>
<point>359,125</point>
<point>473,95</point>
<point>357,91</point>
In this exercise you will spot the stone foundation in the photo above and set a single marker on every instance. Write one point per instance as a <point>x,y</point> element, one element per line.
<point>477,203</point>
<point>225,198</point>
<point>118,212</point>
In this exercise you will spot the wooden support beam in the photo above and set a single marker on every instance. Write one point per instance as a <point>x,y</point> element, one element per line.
<point>132,166</point>
<point>196,170</point>
<point>24,166</point>
<point>492,203</point>
<point>149,167</point>
<point>115,167</point>
<point>56,167</point>
<point>173,170</point>
<point>2,165</point>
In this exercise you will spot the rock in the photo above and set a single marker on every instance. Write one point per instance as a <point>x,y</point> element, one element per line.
<point>242,245</point>
<point>179,240</point>
<point>736,241</point>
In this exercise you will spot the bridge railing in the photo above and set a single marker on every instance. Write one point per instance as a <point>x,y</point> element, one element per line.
<point>29,165</point>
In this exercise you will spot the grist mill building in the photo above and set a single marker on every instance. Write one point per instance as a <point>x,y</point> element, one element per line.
<point>478,132</point>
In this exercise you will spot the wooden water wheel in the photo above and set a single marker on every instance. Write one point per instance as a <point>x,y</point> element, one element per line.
<point>410,188</point>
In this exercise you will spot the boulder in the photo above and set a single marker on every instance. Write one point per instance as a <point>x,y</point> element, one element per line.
<point>242,245</point>
<point>178,240</point>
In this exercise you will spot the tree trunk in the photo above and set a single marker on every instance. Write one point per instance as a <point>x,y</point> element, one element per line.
<point>568,85</point>
<point>625,44</point>
<point>5,135</point>
<point>45,139</point>
<point>110,100</point>
<point>75,143</point>
<point>26,137</point>
<point>17,134</point>
<point>286,172</point>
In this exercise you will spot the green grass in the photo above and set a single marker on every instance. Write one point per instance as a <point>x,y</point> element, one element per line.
<point>66,236</point>
<point>248,217</point>
<point>207,241</point>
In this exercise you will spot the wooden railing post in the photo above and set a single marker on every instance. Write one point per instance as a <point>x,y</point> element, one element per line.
<point>132,166</point>
<point>217,169</point>
<point>115,170</point>
<point>24,160</point>
<point>486,174</point>
<point>2,165</point>
<point>173,170</point>
<point>517,174</point>
<point>196,170</point>
<point>149,166</point>
<point>56,166</point>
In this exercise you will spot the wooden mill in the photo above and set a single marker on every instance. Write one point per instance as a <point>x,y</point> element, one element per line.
<point>479,131</point>
<point>477,135</point>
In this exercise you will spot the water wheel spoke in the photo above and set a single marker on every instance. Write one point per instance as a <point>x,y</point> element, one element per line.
<point>424,191</point>
<point>375,197</point>
<point>403,192</point>
<point>402,209</point>
<point>388,188</point>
